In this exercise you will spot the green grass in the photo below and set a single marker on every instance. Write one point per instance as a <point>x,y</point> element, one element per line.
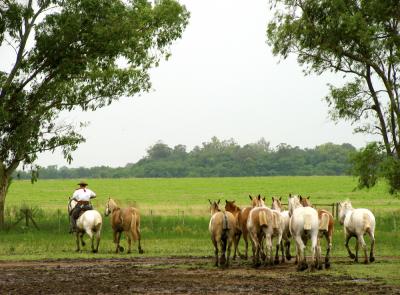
<point>175,215</point>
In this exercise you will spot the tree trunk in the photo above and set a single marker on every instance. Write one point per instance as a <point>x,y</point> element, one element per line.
<point>4,182</point>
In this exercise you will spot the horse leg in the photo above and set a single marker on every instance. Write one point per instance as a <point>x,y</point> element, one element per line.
<point>279,244</point>
<point>351,255</point>
<point>372,251</point>
<point>215,250</point>
<point>255,248</point>
<point>269,252</point>
<point>228,250</point>
<point>97,242</point>
<point>139,245</point>
<point>357,247</point>
<point>282,251</point>
<point>236,239</point>
<point>82,241</point>
<point>302,263</point>
<point>246,244</point>
<point>116,241</point>
<point>129,243</point>
<point>328,236</point>
<point>287,249</point>
<point>77,242</point>
<point>364,247</point>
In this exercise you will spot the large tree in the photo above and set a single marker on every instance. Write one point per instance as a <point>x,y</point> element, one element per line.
<point>73,55</point>
<point>361,39</point>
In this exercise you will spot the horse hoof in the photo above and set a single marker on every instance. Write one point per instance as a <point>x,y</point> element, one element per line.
<point>121,249</point>
<point>352,256</point>
<point>371,259</point>
<point>327,264</point>
<point>94,251</point>
<point>288,257</point>
<point>276,261</point>
<point>141,251</point>
<point>366,261</point>
<point>129,252</point>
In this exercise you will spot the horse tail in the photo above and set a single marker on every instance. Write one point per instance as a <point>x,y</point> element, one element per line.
<point>275,220</point>
<point>263,218</point>
<point>97,227</point>
<point>225,230</point>
<point>324,222</point>
<point>366,222</point>
<point>134,226</point>
<point>307,221</point>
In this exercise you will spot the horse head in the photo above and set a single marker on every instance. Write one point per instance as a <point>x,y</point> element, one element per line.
<point>305,202</point>
<point>257,201</point>
<point>344,207</point>
<point>293,203</point>
<point>110,206</point>
<point>276,204</point>
<point>214,206</point>
<point>231,206</point>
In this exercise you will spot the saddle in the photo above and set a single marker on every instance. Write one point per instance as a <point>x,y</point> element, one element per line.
<point>81,207</point>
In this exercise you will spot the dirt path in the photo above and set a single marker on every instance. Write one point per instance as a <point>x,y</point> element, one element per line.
<point>173,275</point>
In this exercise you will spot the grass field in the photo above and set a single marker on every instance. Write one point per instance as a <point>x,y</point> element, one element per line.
<point>175,214</point>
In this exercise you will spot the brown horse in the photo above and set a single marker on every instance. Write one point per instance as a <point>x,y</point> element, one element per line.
<point>222,228</point>
<point>264,223</point>
<point>326,225</point>
<point>124,220</point>
<point>241,216</point>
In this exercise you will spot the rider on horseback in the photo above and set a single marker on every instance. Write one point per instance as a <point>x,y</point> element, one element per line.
<point>82,196</point>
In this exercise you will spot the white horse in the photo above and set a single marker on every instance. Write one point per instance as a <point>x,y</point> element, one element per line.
<point>358,222</point>
<point>277,206</point>
<point>90,222</point>
<point>303,226</point>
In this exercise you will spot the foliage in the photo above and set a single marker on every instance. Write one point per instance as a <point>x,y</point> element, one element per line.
<point>359,39</point>
<point>73,55</point>
<point>219,158</point>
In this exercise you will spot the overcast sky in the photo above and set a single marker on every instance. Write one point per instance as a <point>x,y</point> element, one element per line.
<point>222,80</point>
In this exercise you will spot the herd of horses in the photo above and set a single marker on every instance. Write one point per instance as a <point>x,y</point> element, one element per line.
<point>263,225</point>
<point>300,223</point>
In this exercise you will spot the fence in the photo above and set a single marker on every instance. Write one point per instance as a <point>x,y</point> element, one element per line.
<point>334,207</point>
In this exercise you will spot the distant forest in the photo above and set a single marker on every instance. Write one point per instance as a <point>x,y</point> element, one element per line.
<point>218,158</point>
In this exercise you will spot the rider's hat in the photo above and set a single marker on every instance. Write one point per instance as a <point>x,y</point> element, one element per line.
<point>83,182</point>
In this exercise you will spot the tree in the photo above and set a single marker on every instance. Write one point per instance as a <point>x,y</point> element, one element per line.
<point>73,55</point>
<point>360,39</point>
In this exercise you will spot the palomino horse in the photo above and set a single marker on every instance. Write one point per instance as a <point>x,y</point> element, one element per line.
<point>358,222</point>
<point>326,225</point>
<point>303,226</point>
<point>277,206</point>
<point>264,223</point>
<point>124,220</point>
<point>90,222</point>
<point>222,228</point>
<point>241,216</point>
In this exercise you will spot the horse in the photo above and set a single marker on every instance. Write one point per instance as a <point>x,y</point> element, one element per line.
<point>358,222</point>
<point>222,229</point>
<point>303,226</point>
<point>264,223</point>
<point>277,206</point>
<point>326,225</point>
<point>241,216</point>
<point>124,220</point>
<point>89,221</point>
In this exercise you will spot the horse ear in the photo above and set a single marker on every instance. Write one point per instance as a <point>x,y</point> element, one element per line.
<point>301,198</point>
<point>280,198</point>
<point>218,202</point>
<point>263,199</point>
<point>250,197</point>
<point>210,201</point>
<point>273,199</point>
<point>308,197</point>
<point>290,195</point>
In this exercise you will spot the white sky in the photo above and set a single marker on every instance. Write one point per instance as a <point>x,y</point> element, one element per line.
<point>222,80</point>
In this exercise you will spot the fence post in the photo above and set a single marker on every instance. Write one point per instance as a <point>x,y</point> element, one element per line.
<point>337,211</point>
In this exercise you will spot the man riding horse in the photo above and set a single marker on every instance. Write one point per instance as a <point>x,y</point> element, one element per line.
<point>82,196</point>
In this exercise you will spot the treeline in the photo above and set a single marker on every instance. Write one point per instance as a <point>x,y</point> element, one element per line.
<point>219,158</point>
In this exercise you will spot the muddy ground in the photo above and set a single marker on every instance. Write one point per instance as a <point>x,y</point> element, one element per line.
<point>174,275</point>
